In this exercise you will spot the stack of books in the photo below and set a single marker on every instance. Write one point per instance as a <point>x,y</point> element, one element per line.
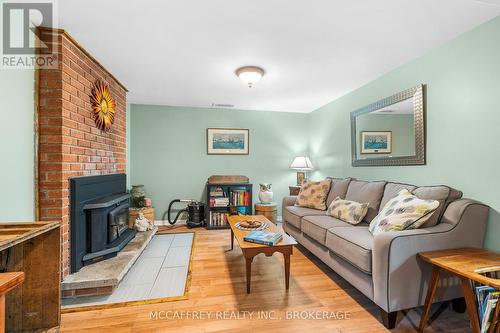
<point>219,202</point>
<point>487,298</point>
<point>263,237</point>
<point>217,219</point>
<point>217,192</point>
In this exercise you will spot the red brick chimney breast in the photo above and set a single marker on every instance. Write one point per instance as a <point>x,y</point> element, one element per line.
<point>69,143</point>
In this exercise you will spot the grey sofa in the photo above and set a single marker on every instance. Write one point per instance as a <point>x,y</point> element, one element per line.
<point>385,267</point>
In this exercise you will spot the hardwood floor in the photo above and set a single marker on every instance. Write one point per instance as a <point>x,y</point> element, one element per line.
<point>218,289</point>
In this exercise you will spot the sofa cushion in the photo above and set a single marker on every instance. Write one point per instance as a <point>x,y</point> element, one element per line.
<point>444,194</point>
<point>338,189</point>
<point>313,194</point>
<point>405,211</point>
<point>391,190</point>
<point>348,211</point>
<point>370,192</point>
<point>317,226</point>
<point>294,214</point>
<point>354,244</point>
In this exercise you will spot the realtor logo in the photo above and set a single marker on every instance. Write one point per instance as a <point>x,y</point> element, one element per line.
<point>21,47</point>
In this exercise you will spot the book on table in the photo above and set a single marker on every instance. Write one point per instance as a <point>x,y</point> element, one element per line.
<point>263,237</point>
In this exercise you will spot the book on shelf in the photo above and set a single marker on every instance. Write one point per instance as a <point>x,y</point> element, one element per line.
<point>217,192</point>
<point>263,237</point>
<point>219,202</point>
<point>240,198</point>
<point>487,298</point>
<point>217,219</point>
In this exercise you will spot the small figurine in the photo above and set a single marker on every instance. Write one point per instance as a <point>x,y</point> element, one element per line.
<point>142,223</point>
<point>265,194</point>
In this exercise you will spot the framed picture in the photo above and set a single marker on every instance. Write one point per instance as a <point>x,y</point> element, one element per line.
<point>376,142</point>
<point>227,141</point>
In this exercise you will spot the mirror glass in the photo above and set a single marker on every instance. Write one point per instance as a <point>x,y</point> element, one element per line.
<point>386,132</point>
<point>390,131</point>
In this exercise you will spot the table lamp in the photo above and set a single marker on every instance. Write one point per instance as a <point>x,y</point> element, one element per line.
<point>301,164</point>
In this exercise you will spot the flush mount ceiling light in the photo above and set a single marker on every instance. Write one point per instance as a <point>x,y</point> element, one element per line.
<point>250,74</point>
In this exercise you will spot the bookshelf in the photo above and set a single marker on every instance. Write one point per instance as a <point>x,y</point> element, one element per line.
<point>225,199</point>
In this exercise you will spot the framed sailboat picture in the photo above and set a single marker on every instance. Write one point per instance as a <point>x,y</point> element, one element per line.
<point>227,141</point>
<point>376,142</point>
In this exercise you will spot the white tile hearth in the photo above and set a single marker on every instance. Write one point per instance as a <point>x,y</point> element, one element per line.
<point>159,272</point>
<point>168,286</point>
<point>144,271</point>
<point>177,256</point>
<point>159,246</point>
<point>182,240</point>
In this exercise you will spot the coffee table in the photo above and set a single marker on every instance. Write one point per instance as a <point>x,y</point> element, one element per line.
<point>250,250</point>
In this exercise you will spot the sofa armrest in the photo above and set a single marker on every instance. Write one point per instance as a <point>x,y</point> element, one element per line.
<point>289,201</point>
<point>465,209</point>
<point>399,277</point>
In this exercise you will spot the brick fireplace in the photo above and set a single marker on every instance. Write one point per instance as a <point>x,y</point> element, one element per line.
<point>69,143</point>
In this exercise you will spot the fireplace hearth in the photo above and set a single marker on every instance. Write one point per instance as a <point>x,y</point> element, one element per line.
<point>99,208</point>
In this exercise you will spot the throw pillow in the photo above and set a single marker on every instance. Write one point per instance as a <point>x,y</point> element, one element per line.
<point>348,211</point>
<point>405,211</point>
<point>313,194</point>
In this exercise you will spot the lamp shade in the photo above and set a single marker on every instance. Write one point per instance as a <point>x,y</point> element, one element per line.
<point>301,163</point>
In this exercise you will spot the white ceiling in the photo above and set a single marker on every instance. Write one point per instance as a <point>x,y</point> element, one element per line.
<point>184,52</point>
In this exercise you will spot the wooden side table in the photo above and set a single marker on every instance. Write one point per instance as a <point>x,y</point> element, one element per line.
<point>294,189</point>
<point>269,210</point>
<point>467,264</point>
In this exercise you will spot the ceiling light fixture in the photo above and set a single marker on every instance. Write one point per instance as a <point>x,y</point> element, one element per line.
<point>250,74</point>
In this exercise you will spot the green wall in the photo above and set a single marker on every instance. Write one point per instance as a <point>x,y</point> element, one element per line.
<point>169,150</point>
<point>17,147</point>
<point>128,126</point>
<point>462,79</point>
<point>167,145</point>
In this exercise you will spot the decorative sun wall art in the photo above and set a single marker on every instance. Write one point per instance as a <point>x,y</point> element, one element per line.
<point>103,106</point>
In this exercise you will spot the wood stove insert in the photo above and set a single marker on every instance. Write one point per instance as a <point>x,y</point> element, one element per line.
<point>99,218</point>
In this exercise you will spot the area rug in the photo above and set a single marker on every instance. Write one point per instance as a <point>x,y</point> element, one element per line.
<point>160,274</point>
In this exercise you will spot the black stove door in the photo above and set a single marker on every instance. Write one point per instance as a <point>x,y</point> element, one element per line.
<point>117,221</point>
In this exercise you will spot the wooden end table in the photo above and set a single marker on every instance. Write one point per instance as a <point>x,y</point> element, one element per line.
<point>269,210</point>
<point>250,250</point>
<point>464,263</point>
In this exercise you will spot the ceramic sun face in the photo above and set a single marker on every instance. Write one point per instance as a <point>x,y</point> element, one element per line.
<point>103,106</point>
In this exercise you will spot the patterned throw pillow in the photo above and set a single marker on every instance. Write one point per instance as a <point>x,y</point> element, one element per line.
<point>403,212</point>
<point>313,194</point>
<point>348,211</point>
